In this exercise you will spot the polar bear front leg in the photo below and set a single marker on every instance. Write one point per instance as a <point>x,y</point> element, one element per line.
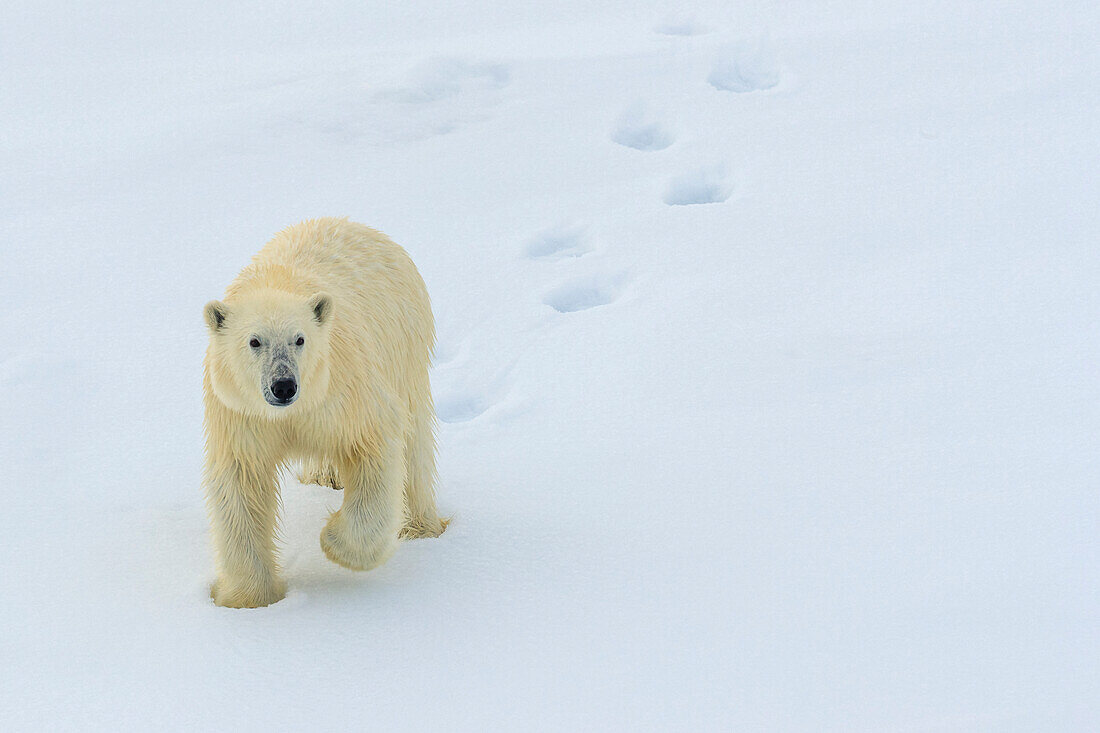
<point>242,500</point>
<point>362,534</point>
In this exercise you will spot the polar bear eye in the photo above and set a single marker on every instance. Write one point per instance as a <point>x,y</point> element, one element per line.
<point>300,341</point>
<point>254,343</point>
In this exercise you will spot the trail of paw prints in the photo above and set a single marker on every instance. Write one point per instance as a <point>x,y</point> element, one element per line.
<point>461,406</point>
<point>461,401</point>
<point>437,97</point>
<point>442,95</point>
<point>742,67</point>
<point>558,242</point>
<point>585,292</point>
<point>637,129</point>
<point>471,376</point>
<point>580,292</point>
<point>462,394</point>
<point>745,67</point>
<point>459,396</point>
<point>706,185</point>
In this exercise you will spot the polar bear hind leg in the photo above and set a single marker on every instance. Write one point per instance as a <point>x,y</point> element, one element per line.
<point>421,516</point>
<point>315,471</point>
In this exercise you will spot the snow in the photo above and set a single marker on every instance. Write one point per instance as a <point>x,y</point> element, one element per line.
<point>819,453</point>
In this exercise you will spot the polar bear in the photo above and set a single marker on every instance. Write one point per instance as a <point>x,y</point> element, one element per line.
<point>319,354</point>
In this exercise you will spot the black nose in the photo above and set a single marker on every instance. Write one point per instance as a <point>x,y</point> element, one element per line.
<point>284,389</point>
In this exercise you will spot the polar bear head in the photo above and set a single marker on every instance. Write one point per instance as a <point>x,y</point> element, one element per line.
<point>269,350</point>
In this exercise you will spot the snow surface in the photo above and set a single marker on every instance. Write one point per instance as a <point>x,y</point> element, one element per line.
<point>818,455</point>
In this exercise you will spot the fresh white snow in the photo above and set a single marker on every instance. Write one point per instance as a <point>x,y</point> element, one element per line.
<point>767,365</point>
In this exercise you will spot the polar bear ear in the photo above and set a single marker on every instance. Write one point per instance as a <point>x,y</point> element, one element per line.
<point>215,314</point>
<point>321,305</point>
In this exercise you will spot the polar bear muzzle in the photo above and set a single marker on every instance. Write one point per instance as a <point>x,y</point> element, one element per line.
<point>280,377</point>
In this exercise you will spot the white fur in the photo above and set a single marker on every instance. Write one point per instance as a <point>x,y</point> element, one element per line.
<point>363,419</point>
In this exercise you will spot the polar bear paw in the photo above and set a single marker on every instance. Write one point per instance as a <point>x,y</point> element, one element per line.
<point>247,595</point>
<point>354,547</point>
<point>422,528</point>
